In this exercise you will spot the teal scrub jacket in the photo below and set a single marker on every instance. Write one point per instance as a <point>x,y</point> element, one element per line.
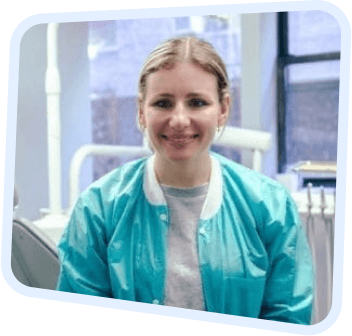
<point>253,253</point>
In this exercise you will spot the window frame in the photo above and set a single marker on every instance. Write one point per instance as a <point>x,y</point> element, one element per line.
<point>284,58</point>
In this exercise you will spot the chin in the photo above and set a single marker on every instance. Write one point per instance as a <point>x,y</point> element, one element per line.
<point>184,157</point>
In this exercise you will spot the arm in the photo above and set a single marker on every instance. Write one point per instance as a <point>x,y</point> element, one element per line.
<point>290,284</point>
<point>83,251</point>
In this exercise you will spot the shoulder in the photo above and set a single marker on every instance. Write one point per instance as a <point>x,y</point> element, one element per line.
<point>248,180</point>
<point>266,198</point>
<point>121,181</point>
<point>104,200</point>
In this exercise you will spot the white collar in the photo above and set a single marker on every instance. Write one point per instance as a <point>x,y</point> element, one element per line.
<point>155,195</point>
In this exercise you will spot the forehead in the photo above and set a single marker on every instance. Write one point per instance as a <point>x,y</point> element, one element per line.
<point>181,78</point>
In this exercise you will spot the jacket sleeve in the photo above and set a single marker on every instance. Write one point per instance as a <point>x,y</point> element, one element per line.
<point>82,251</point>
<point>290,284</point>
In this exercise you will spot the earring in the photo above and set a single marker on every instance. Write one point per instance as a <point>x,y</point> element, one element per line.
<point>219,130</point>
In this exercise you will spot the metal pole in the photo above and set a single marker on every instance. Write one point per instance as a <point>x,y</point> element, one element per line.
<point>257,160</point>
<point>310,235</point>
<point>328,249</point>
<point>53,90</point>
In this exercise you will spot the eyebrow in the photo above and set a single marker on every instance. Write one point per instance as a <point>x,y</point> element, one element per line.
<point>190,95</point>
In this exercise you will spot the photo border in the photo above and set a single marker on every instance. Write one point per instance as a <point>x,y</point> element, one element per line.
<point>172,12</point>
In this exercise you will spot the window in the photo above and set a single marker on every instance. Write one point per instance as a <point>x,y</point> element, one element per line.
<point>308,87</point>
<point>117,51</point>
<point>182,23</point>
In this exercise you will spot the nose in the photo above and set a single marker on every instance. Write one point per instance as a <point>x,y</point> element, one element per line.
<point>180,118</point>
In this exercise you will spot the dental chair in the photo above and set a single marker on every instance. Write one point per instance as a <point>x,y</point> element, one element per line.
<point>34,259</point>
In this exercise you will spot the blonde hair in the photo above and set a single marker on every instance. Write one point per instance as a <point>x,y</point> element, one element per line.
<point>185,49</point>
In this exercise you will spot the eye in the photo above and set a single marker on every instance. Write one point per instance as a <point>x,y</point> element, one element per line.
<point>163,104</point>
<point>196,102</point>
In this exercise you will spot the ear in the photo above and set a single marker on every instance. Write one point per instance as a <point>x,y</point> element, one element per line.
<point>224,110</point>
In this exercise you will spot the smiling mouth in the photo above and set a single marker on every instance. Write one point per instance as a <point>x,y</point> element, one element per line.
<point>181,140</point>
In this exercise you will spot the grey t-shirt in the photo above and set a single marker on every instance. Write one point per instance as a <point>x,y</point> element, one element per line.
<point>183,280</point>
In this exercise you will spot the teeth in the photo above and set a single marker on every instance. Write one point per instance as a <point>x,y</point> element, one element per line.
<point>182,139</point>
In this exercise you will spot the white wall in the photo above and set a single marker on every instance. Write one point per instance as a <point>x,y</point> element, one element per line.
<point>31,172</point>
<point>258,86</point>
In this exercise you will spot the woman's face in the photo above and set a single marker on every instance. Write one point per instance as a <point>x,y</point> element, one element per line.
<point>181,112</point>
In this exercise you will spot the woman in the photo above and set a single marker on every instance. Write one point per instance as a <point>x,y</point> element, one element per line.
<point>186,227</point>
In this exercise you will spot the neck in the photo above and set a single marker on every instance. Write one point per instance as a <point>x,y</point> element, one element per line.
<point>183,174</point>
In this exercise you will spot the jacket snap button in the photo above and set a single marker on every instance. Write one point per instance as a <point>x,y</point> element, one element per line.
<point>155,301</point>
<point>202,231</point>
<point>163,217</point>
